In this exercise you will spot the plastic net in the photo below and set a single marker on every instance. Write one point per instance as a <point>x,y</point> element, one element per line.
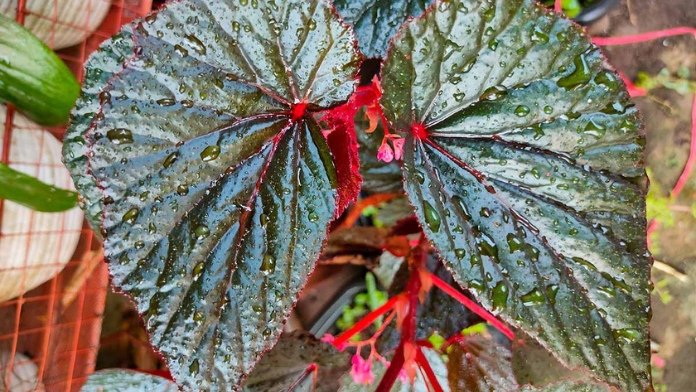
<point>52,277</point>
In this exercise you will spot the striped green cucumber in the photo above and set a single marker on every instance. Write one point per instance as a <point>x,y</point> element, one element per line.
<point>33,78</point>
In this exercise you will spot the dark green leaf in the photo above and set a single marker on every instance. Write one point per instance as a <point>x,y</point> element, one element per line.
<point>478,364</point>
<point>525,175</point>
<point>570,386</point>
<point>30,192</point>
<point>299,362</point>
<point>376,21</point>
<point>123,380</point>
<point>212,192</point>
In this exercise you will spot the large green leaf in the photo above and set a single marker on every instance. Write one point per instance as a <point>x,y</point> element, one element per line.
<point>376,21</point>
<point>124,380</point>
<point>299,362</point>
<point>523,159</point>
<point>211,188</point>
<point>477,363</point>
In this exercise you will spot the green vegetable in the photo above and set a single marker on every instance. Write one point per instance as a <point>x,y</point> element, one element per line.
<point>33,78</point>
<point>30,192</point>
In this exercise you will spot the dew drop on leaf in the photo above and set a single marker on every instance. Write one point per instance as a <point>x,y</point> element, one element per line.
<point>120,136</point>
<point>130,216</point>
<point>499,295</point>
<point>210,153</point>
<point>432,217</point>
<point>268,264</point>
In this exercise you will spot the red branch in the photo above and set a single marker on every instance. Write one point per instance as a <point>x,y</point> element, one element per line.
<point>473,306</point>
<point>643,37</point>
<point>366,321</point>
<point>429,373</point>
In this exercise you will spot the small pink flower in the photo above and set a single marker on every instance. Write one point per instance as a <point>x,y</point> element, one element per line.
<point>362,370</point>
<point>385,152</point>
<point>398,144</point>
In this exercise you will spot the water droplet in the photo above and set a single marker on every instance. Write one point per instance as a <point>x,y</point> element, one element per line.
<point>432,217</point>
<point>166,102</point>
<point>130,216</point>
<point>194,367</point>
<point>539,36</point>
<point>500,295</point>
<point>182,190</point>
<point>120,136</point>
<point>460,253</point>
<point>581,75</point>
<point>514,243</point>
<point>476,285</point>
<point>210,153</point>
<point>551,292</point>
<point>459,96</point>
<point>488,14</point>
<point>139,244</point>
<point>628,335</point>
<point>198,270</point>
<point>183,52</point>
<point>532,298</point>
<point>201,231</point>
<point>198,316</point>
<point>588,265</point>
<point>493,93</point>
<point>522,111</point>
<point>196,44</point>
<point>268,264</point>
<point>548,109</point>
<point>171,158</point>
<point>313,217</point>
<point>594,129</point>
<point>607,79</point>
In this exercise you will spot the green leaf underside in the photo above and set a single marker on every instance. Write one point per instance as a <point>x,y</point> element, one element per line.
<point>376,21</point>
<point>480,364</point>
<point>287,366</point>
<point>213,202</point>
<point>527,181</point>
<point>123,380</point>
<point>31,192</point>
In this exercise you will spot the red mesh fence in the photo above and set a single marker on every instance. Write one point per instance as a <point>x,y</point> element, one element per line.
<point>49,335</point>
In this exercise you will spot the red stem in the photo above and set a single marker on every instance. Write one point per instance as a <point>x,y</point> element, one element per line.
<point>691,161</point>
<point>643,37</point>
<point>389,378</point>
<point>473,306</point>
<point>366,321</point>
<point>429,373</point>
<point>558,5</point>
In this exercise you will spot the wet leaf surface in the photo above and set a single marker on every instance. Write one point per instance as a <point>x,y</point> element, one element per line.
<point>523,161</point>
<point>124,380</point>
<point>195,148</point>
<point>376,21</point>
<point>299,362</point>
<point>479,364</point>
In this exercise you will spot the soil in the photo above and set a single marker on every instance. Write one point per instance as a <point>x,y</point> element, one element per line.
<point>667,123</point>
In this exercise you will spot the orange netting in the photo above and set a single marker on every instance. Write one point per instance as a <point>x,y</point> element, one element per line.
<point>49,336</point>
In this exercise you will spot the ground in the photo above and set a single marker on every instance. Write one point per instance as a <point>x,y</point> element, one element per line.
<point>667,122</point>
